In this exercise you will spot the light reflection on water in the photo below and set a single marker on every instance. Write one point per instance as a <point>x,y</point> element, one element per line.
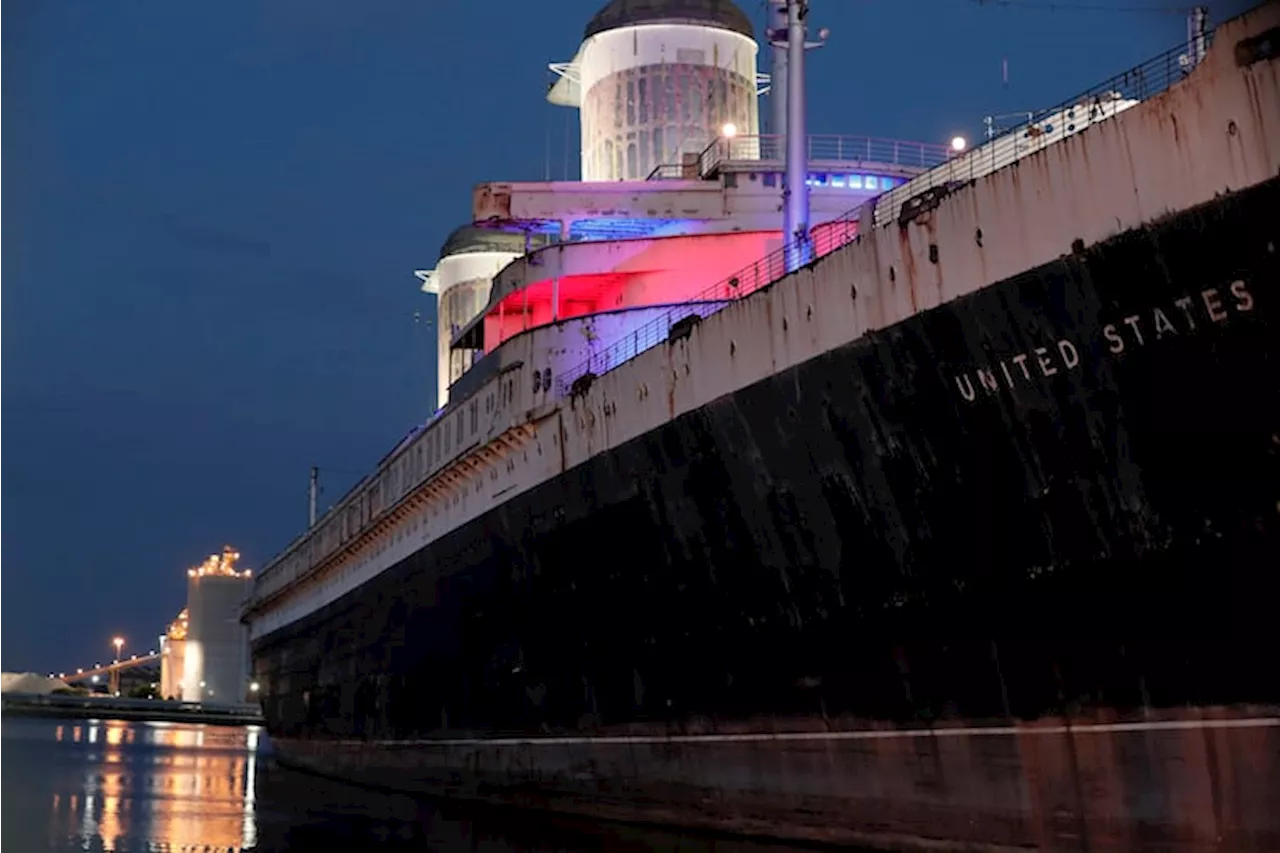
<point>119,786</point>
<point>106,785</point>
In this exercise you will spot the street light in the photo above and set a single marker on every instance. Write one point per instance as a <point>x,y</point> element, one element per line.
<point>118,642</point>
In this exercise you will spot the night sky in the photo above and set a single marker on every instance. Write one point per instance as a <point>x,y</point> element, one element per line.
<point>212,213</point>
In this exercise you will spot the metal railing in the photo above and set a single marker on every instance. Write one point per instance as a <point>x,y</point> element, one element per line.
<point>825,148</point>
<point>825,238</point>
<point>666,172</point>
<point>1097,104</point>
<point>1044,128</point>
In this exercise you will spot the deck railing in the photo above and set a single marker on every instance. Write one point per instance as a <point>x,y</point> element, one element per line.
<point>1096,104</point>
<point>1046,127</point>
<point>825,148</point>
<point>826,238</point>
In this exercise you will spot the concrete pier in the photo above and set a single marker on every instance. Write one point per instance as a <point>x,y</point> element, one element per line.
<point>145,710</point>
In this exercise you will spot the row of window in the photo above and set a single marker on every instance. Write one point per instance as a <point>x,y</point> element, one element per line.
<point>875,183</point>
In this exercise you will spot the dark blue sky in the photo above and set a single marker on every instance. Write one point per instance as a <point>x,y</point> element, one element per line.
<point>211,217</point>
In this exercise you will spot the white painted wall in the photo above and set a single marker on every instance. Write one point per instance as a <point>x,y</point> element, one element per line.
<point>700,206</point>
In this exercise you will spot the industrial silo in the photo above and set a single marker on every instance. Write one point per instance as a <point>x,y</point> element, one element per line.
<point>216,656</point>
<point>173,654</point>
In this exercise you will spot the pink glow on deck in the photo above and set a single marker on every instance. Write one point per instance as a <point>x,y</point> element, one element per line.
<point>668,271</point>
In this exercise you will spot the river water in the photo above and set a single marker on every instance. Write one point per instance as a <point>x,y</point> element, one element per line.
<point>116,786</point>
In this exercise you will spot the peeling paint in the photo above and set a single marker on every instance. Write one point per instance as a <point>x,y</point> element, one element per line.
<point>978,562</point>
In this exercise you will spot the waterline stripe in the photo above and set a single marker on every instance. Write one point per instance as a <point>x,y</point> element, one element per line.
<point>976,731</point>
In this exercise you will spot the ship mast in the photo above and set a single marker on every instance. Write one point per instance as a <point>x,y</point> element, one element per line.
<point>313,492</point>
<point>795,192</point>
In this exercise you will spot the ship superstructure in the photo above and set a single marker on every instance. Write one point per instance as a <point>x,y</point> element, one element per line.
<point>899,548</point>
<point>671,147</point>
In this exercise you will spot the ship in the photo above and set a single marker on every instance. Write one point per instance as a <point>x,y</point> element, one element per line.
<point>859,492</point>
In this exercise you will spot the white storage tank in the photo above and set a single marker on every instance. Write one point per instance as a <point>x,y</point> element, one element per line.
<point>216,655</point>
<point>173,657</point>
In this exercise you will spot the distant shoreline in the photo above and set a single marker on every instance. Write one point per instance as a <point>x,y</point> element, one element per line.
<point>142,710</point>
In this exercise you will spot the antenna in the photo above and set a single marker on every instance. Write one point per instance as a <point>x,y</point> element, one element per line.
<point>313,492</point>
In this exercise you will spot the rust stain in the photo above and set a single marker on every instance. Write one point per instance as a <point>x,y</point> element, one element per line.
<point>671,385</point>
<point>491,201</point>
<point>561,439</point>
<point>909,263</point>
<point>931,230</point>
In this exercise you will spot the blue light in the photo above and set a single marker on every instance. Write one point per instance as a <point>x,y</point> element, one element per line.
<point>621,228</point>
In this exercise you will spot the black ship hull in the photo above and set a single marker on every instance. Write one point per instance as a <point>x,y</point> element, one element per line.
<point>1052,500</point>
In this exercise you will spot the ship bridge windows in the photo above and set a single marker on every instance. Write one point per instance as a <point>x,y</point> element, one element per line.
<point>873,182</point>
<point>838,180</point>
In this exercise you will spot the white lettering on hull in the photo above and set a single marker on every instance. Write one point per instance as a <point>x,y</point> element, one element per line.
<point>1187,315</point>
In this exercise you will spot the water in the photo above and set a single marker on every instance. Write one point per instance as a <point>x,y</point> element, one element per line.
<point>106,785</point>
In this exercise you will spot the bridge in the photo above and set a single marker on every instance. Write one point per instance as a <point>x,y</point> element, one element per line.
<point>111,670</point>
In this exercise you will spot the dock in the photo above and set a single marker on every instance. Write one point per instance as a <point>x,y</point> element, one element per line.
<point>142,710</point>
